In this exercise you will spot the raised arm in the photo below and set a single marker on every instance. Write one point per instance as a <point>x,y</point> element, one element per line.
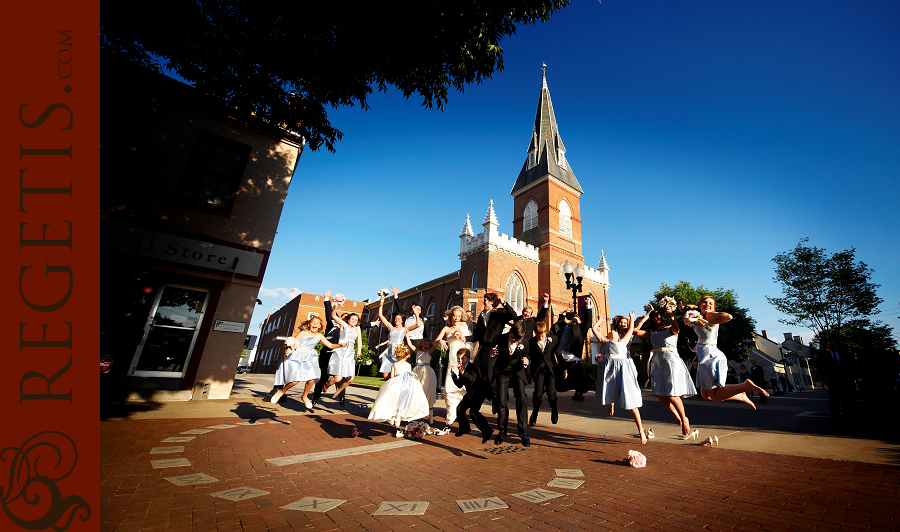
<point>341,323</point>
<point>328,310</point>
<point>381,314</point>
<point>409,344</point>
<point>415,325</point>
<point>328,344</point>
<point>595,328</point>
<point>630,332</point>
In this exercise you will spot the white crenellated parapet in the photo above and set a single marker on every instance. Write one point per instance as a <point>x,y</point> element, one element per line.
<point>492,240</point>
<point>601,274</point>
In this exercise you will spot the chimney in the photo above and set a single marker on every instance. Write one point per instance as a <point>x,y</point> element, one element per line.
<point>787,336</point>
<point>765,334</point>
<point>798,339</point>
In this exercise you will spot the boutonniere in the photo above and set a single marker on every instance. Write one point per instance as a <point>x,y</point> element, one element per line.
<point>520,347</point>
<point>550,339</point>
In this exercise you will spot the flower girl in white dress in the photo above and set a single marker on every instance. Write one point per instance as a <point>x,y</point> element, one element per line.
<point>401,398</point>
<point>424,374</point>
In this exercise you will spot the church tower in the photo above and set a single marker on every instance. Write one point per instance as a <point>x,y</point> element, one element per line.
<point>547,210</point>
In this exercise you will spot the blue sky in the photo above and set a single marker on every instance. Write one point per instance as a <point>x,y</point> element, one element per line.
<point>708,137</point>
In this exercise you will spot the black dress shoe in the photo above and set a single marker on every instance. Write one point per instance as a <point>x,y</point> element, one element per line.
<point>554,417</point>
<point>499,439</point>
<point>526,441</point>
<point>341,401</point>
<point>578,397</point>
<point>463,433</point>
<point>533,420</point>
<point>486,436</point>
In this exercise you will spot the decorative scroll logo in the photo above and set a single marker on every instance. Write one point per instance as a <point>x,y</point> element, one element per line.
<point>31,497</point>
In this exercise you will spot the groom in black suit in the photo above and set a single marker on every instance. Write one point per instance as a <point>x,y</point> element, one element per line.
<point>543,349</point>
<point>333,333</point>
<point>509,359</point>
<point>496,315</point>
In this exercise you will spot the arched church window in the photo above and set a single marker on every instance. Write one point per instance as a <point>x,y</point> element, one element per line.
<point>475,280</point>
<point>514,293</point>
<point>531,216</point>
<point>565,219</point>
<point>429,316</point>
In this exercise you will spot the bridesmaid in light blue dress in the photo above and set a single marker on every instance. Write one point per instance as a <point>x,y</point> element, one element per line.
<point>713,366</point>
<point>301,362</point>
<point>342,364</point>
<point>616,375</point>
<point>395,336</point>
<point>669,376</point>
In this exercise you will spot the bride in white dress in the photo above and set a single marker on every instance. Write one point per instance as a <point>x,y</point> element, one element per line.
<point>456,333</point>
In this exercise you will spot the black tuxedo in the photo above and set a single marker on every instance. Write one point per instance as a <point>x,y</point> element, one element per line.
<point>758,376</point>
<point>510,371</point>
<point>841,377</point>
<point>486,333</point>
<point>475,388</point>
<point>577,380</point>
<point>543,370</point>
<point>332,333</point>
<point>529,322</point>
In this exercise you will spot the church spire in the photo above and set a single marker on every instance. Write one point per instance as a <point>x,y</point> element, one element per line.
<point>546,154</point>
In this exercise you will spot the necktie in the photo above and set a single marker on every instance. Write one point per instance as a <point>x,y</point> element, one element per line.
<point>837,360</point>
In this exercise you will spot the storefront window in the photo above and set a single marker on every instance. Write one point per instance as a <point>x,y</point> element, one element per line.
<point>171,332</point>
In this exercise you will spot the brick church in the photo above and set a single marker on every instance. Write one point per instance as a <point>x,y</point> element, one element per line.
<point>546,233</point>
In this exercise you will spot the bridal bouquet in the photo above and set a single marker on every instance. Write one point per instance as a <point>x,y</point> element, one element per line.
<point>635,459</point>
<point>339,299</point>
<point>383,292</point>
<point>668,303</point>
<point>693,317</point>
<point>292,342</point>
<point>416,430</point>
<point>355,432</point>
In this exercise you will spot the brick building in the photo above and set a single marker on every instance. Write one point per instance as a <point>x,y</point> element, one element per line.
<point>191,196</point>
<point>282,322</point>
<point>546,233</point>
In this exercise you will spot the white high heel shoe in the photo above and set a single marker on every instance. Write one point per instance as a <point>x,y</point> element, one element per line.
<point>650,434</point>
<point>712,441</point>
<point>693,435</point>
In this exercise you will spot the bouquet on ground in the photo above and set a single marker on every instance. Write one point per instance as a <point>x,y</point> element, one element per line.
<point>693,317</point>
<point>355,432</point>
<point>668,303</point>
<point>416,430</point>
<point>635,459</point>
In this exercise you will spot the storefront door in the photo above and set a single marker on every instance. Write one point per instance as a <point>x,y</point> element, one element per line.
<point>171,332</point>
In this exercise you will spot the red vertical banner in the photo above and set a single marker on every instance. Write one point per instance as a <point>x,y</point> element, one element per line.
<point>50,266</point>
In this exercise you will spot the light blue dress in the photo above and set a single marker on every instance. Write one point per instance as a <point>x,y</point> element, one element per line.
<point>617,378</point>
<point>343,360</point>
<point>668,373</point>
<point>387,356</point>
<point>712,366</point>
<point>302,365</point>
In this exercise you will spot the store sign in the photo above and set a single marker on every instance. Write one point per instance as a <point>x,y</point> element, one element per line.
<point>187,251</point>
<point>229,326</point>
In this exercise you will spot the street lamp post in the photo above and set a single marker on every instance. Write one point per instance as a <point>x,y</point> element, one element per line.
<point>573,274</point>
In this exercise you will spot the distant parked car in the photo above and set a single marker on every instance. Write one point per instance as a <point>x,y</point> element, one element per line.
<point>243,369</point>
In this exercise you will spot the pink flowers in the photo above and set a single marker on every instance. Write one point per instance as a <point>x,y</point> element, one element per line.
<point>292,342</point>
<point>693,317</point>
<point>636,459</point>
<point>339,298</point>
<point>668,303</point>
<point>355,432</point>
<point>416,430</point>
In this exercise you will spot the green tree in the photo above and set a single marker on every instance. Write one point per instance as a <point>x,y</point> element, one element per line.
<point>823,293</point>
<point>287,61</point>
<point>734,337</point>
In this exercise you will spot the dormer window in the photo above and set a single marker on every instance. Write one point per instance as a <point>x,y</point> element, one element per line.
<point>532,161</point>
<point>561,159</point>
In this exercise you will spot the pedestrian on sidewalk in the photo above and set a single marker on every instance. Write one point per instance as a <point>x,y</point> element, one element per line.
<point>758,375</point>
<point>616,375</point>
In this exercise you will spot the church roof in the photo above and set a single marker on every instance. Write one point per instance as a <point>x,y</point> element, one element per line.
<point>547,146</point>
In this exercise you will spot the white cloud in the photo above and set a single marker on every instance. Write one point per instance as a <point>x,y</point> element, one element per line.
<point>263,291</point>
<point>279,292</point>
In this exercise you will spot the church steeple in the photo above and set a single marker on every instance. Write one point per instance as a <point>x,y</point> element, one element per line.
<point>546,153</point>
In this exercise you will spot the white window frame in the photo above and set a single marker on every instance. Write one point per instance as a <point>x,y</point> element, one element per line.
<point>565,219</point>
<point>530,216</point>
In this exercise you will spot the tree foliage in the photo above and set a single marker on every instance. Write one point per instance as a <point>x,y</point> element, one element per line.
<point>287,61</point>
<point>734,337</point>
<point>823,293</point>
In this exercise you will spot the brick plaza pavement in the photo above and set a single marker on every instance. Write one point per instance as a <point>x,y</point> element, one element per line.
<point>684,486</point>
